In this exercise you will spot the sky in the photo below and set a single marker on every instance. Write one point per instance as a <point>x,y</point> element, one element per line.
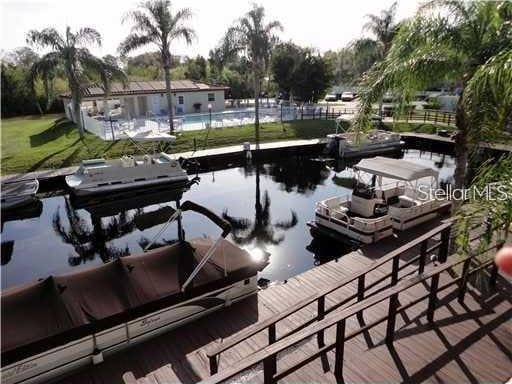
<point>322,24</point>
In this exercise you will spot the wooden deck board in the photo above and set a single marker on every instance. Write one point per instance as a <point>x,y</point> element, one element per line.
<point>470,342</point>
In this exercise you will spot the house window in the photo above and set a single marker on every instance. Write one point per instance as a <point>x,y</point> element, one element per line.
<point>211,97</point>
<point>181,100</point>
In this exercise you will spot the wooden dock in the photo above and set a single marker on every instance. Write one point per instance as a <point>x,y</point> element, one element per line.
<point>468,341</point>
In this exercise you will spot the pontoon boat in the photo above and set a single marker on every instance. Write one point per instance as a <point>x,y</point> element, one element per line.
<point>100,175</point>
<point>395,198</point>
<point>352,144</point>
<point>16,194</point>
<point>52,326</point>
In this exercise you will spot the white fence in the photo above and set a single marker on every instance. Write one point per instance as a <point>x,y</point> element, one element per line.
<point>114,128</point>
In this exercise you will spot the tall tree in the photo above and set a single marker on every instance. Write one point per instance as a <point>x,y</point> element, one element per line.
<point>157,23</point>
<point>454,44</point>
<point>69,51</point>
<point>383,27</point>
<point>286,58</point>
<point>255,38</point>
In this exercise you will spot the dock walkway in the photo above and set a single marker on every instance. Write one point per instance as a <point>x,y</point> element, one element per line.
<point>469,342</point>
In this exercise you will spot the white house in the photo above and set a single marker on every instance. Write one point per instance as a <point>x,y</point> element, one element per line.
<point>148,98</point>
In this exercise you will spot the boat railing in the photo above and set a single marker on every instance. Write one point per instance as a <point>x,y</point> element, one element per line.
<point>424,242</point>
<point>269,355</point>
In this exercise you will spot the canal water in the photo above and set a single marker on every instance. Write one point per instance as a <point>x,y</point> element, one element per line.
<point>267,204</point>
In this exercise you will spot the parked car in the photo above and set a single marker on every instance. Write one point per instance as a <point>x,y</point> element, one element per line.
<point>347,96</point>
<point>330,97</point>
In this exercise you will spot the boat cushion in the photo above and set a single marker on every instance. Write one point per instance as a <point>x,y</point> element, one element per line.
<point>361,207</point>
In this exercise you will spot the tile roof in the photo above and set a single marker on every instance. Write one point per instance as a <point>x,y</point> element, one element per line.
<point>147,87</point>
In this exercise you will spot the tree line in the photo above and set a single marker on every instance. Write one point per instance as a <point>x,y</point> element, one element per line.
<point>31,83</point>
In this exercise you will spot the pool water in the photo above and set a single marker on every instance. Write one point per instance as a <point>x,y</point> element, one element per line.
<point>268,205</point>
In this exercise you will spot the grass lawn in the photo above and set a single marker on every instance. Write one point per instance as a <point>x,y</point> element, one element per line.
<point>31,143</point>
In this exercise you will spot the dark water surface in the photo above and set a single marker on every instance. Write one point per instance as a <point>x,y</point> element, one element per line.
<point>268,205</point>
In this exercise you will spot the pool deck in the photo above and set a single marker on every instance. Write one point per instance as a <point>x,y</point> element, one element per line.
<point>469,342</point>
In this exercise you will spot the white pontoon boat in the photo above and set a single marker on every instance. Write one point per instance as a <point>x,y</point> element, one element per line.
<point>16,194</point>
<point>393,199</point>
<point>100,175</point>
<point>351,144</point>
<point>54,325</point>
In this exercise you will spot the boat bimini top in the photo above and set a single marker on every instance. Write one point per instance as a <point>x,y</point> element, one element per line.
<point>396,169</point>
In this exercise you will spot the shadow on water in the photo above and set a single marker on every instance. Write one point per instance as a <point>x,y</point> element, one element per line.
<point>325,249</point>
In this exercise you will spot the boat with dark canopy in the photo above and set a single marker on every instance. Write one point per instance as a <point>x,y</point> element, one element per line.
<point>59,323</point>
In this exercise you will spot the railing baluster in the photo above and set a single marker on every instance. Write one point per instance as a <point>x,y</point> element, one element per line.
<point>445,242</point>
<point>432,298</point>
<point>272,333</point>
<point>269,369</point>
<point>360,287</point>
<point>214,367</point>
<point>423,257</point>
<point>390,328</point>
<point>394,271</point>
<point>321,313</point>
<point>464,280</point>
<point>494,271</point>
<point>340,350</point>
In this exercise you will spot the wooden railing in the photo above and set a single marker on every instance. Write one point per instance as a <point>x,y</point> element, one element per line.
<point>362,289</point>
<point>268,355</point>
<point>424,115</point>
<point>431,116</point>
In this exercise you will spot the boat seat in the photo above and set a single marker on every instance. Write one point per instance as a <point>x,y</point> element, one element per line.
<point>362,207</point>
<point>406,202</point>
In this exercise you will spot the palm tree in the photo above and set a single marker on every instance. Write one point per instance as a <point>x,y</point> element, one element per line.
<point>384,27</point>
<point>255,39</point>
<point>261,230</point>
<point>450,45</point>
<point>69,52</point>
<point>155,22</point>
<point>89,242</point>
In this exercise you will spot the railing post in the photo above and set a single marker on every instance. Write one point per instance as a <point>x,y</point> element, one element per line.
<point>269,369</point>
<point>432,298</point>
<point>390,328</point>
<point>321,313</point>
<point>214,367</point>
<point>340,350</point>
<point>464,280</point>
<point>443,249</point>
<point>423,257</point>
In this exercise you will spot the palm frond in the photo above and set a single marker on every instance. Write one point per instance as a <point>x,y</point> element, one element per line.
<point>108,72</point>
<point>135,41</point>
<point>488,98</point>
<point>48,37</point>
<point>88,36</point>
